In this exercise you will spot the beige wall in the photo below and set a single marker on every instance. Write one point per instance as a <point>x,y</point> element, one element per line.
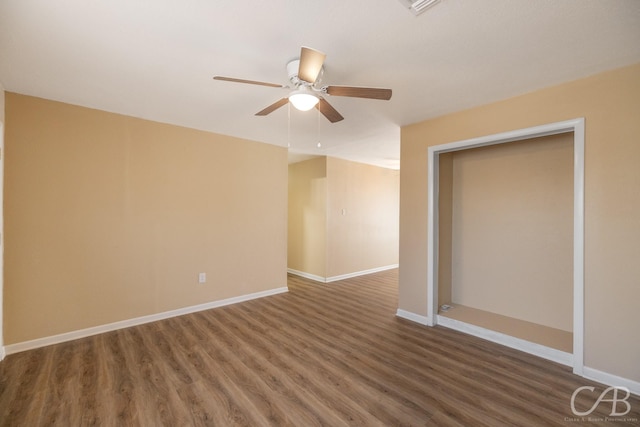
<point>307,237</point>
<point>343,217</point>
<point>609,104</point>
<point>109,217</point>
<point>445,227</point>
<point>362,217</point>
<point>512,230</point>
<point>1,104</point>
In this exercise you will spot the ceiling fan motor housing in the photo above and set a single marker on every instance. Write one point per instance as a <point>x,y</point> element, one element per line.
<point>292,72</point>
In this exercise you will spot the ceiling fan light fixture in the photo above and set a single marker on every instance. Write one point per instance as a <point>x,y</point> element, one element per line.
<point>303,99</point>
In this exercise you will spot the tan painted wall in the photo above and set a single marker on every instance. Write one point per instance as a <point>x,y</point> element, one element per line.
<point>445,227</point>
<point>307,248</point>
<point>609,103</point>
<point>109,217</point>
<point>1,104</point>
<point>362,217</point>
<point>512,230</point>
<point>327,243</point>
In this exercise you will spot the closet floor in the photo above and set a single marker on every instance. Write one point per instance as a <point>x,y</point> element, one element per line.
<point>533,332</point>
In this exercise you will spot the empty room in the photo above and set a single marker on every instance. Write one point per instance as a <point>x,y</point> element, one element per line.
<point>300,213</point>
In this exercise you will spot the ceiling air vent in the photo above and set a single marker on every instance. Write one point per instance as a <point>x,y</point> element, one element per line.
<point>419,6</point>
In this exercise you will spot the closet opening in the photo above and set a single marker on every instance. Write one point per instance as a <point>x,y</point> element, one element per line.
<point>506,239</point>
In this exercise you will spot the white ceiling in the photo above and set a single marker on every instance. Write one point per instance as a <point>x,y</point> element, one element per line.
<point>155,59</point>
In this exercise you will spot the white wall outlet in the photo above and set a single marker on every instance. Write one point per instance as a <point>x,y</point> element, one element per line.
<point>202,278</point>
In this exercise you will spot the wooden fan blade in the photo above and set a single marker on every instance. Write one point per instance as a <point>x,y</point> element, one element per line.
<point>360,92</point>
<point>251,82</point>
<point>328,111</point>
<point>311,61</point>
<point>273,107</point>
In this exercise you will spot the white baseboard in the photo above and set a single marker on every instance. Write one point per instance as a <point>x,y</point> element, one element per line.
<point>423,320</point>
<point>341,276</point>
<point>310,276</point>
<point>361,273</point>
<point>539,350</point>
<point>611,380</point>
<point>2,353</point>
<point>82,333</point>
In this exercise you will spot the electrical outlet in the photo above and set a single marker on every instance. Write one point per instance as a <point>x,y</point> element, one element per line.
<point>202,278</point>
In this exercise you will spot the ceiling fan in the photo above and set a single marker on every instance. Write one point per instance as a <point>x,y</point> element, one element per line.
<point>305,75</point>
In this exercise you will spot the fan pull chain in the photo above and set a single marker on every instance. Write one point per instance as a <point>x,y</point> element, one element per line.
<point>318,133</point>
<point>288,125</point>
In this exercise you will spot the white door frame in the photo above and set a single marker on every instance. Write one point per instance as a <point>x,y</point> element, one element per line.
<point>577,127</point>
<point>2,351</point>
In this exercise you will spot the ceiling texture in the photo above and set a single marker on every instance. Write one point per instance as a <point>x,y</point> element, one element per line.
<point>155,59</point>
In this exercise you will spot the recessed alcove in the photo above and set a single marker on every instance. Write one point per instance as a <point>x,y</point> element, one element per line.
<point>506,239</point>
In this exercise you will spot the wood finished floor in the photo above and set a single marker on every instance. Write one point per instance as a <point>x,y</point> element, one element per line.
<point>322,354</point>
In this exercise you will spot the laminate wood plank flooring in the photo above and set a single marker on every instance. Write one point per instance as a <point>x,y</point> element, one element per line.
<point>320,355</point>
